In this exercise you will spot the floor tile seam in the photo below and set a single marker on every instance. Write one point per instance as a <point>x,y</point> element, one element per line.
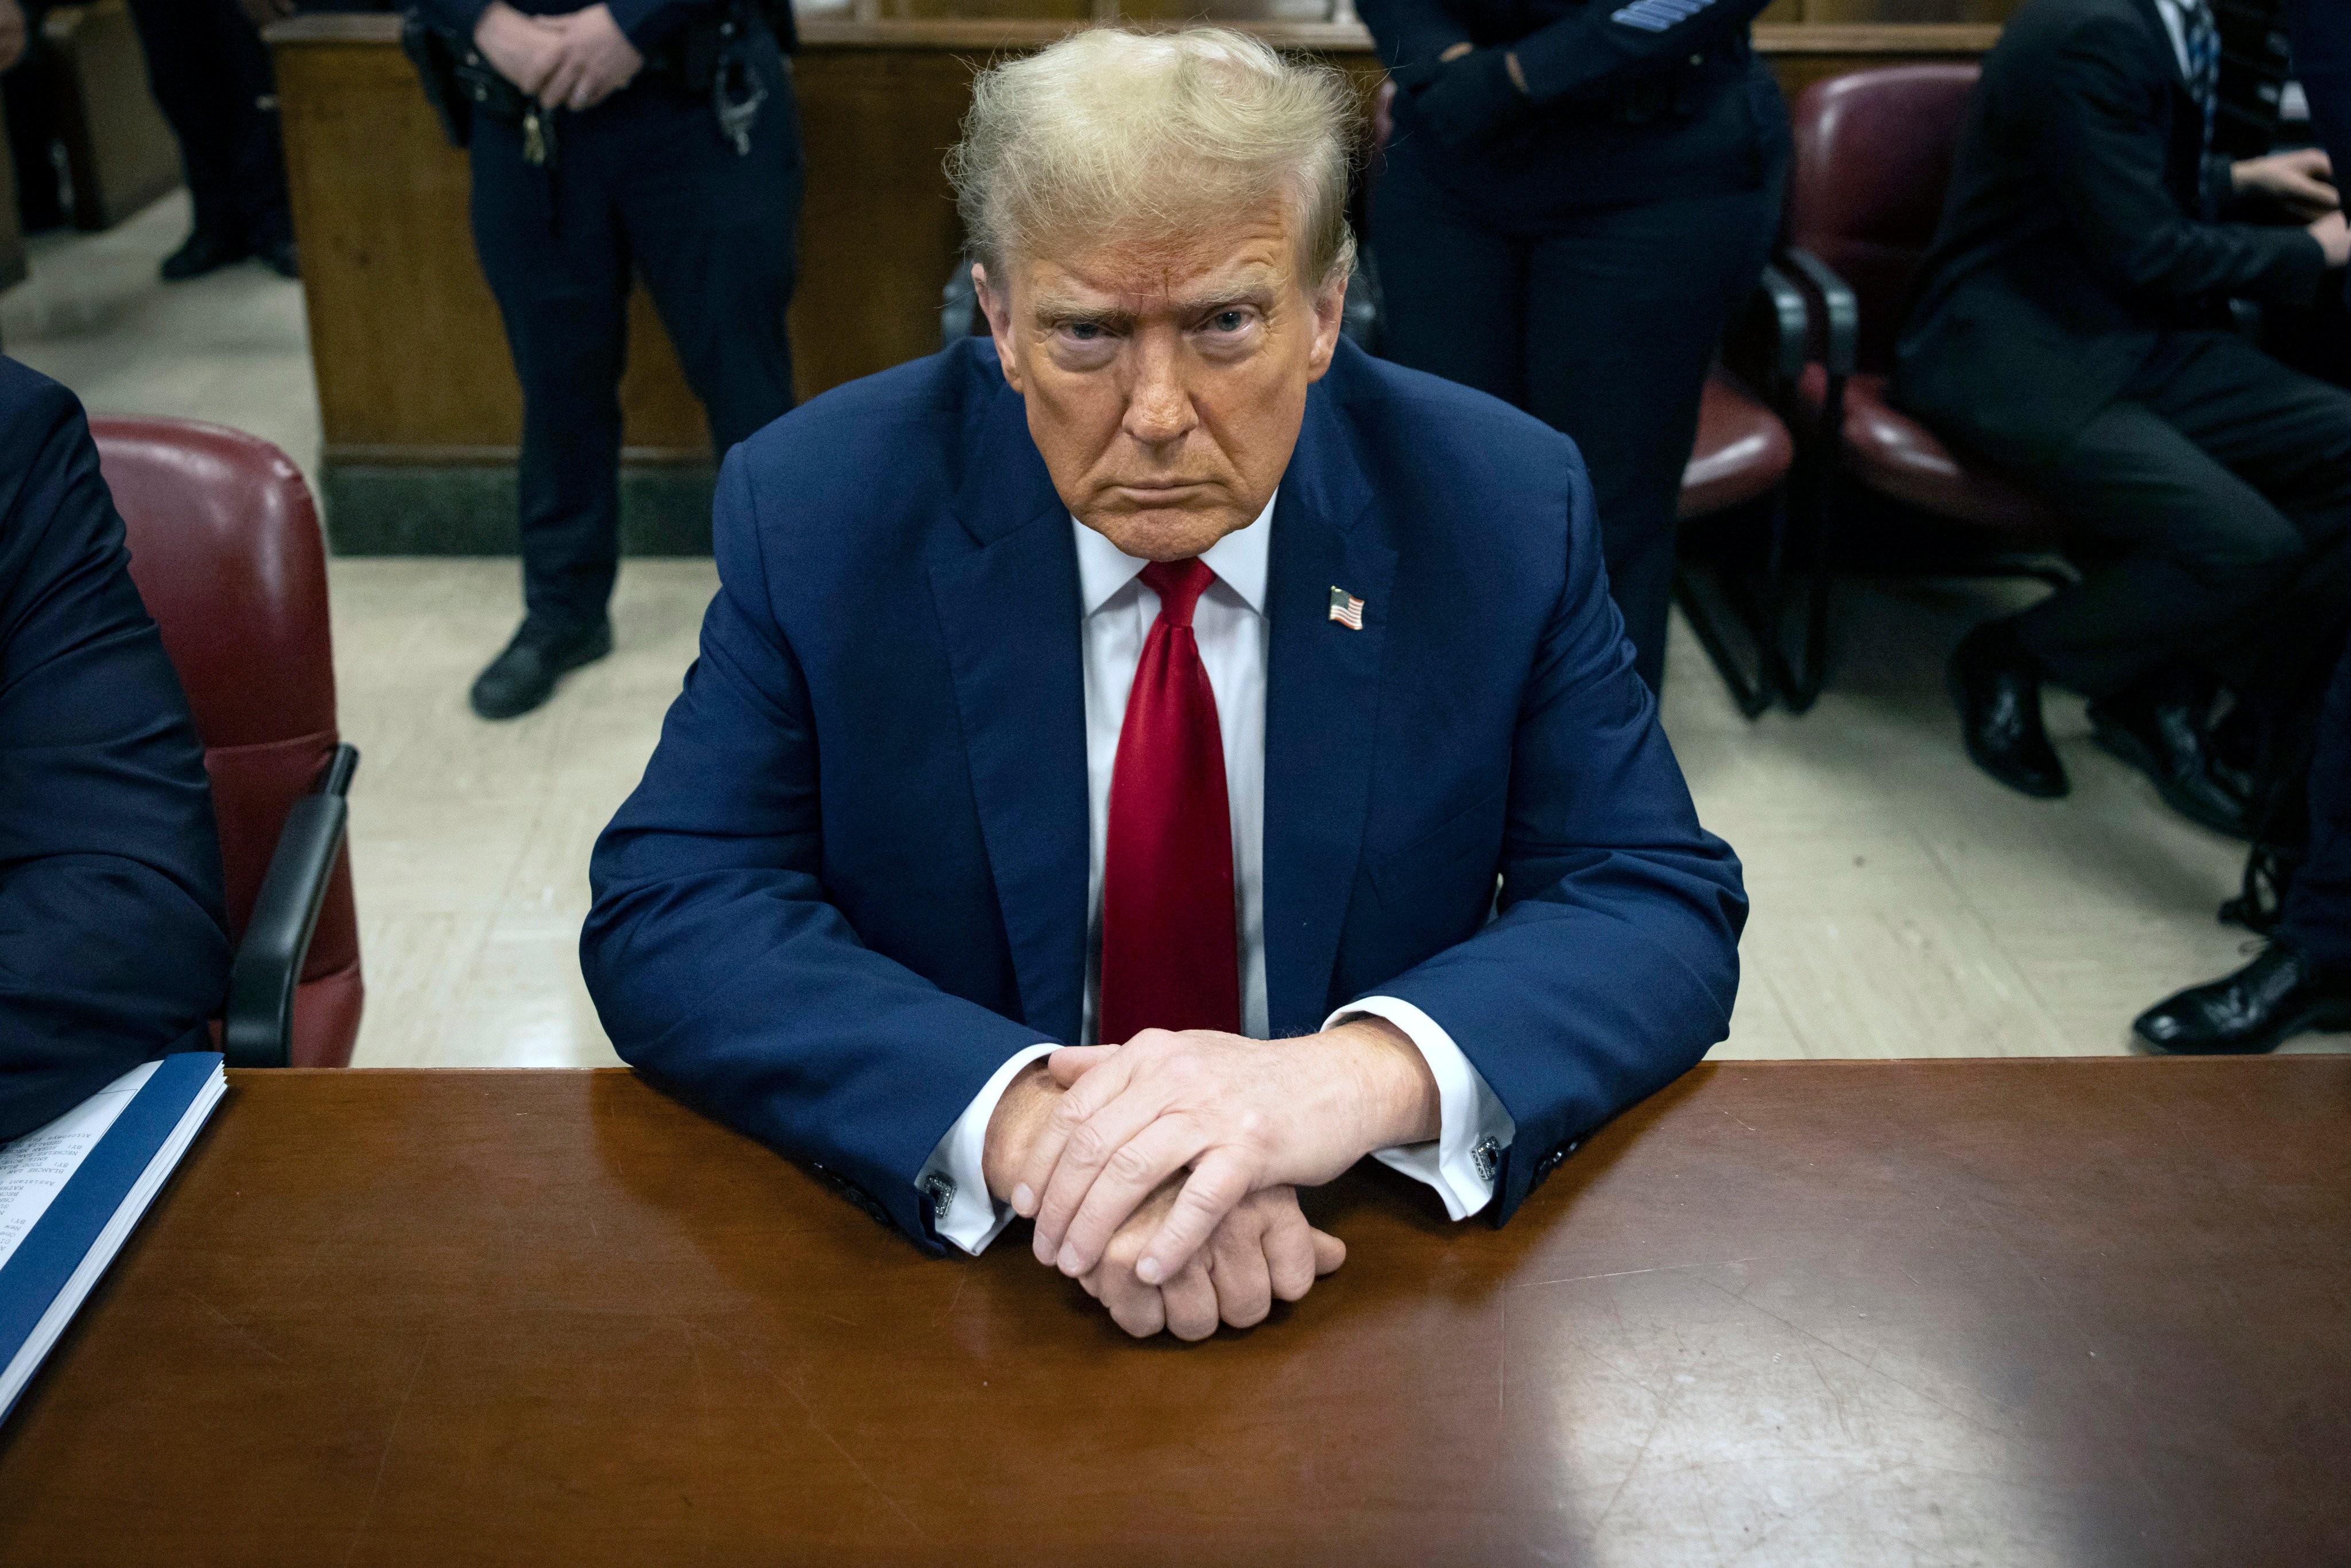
<point>2063,1042</point>
<point>410,1051</point>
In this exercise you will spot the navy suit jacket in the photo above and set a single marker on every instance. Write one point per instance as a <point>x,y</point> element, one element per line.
<point>853,879</point>
<point>2322,58</point>
<point>113,945</point>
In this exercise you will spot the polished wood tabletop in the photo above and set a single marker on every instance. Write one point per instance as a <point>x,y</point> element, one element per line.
<point>2009,1312</point>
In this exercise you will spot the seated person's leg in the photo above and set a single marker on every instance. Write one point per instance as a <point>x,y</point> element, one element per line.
<point>2317,916</point>
<point>2302,981</point>
<point>2175,549</point>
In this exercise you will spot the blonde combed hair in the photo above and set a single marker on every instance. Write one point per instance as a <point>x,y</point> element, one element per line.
<point>1153,137</point>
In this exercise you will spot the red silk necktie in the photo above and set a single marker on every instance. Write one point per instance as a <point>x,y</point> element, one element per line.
<point>1169,954</point>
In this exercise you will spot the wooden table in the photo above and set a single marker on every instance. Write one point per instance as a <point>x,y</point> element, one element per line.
<point>2012,1312</point>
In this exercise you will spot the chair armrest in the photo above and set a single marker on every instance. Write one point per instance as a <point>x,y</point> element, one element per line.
<point>1792,322</point>
<point>1766,345</point>
<point>1839,326</point>
<point>258,1031</point>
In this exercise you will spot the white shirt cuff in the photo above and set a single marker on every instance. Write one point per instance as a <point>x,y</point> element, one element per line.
<point>1473,1128</point>
<point>957,1174</point>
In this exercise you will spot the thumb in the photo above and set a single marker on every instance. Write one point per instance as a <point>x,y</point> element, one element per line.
<point>1073,1063</point>
<point>1329,1252</point>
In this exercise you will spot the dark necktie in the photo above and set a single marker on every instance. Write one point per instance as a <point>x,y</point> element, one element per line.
<point>2203,40</point>
<point>1169,954</point>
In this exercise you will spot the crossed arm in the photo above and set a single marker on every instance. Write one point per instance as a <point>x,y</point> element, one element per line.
<point>1467,94</point>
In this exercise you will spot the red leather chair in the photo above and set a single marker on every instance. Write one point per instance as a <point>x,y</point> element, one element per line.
<point>1741,459</point>
<point>226,551</point>
<point>1741,453</point>
<point>1874,153</point>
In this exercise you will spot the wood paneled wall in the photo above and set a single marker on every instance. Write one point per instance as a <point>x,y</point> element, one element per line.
<point>412,361</point>
<point>120,150</point>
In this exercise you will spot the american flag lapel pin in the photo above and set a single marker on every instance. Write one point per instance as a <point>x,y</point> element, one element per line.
<point>1346,610</point>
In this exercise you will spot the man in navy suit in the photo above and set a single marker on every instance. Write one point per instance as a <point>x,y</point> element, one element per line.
<point>1142,764</point>
<point>114,943</point>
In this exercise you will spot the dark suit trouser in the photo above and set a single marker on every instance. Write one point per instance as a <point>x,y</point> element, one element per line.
<point>1600,323</point>
<point>211,75</point>
<point>2318,914</point>
<point>642,180</point>
<point>2210,505</point>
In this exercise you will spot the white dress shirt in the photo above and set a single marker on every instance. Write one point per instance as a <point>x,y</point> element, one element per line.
<point>1234,635</point>
<point>2176,15</point>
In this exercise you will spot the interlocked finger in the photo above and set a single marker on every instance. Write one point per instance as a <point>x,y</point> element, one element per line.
<point>1189,1301</point>
<point>557,90</point>
<point>1089,1094</point>
<point>1218,1183</point>
<point>1239,1269</point>
<point>1290,1257</point>
<point>1134,1306</point>
<point>1130,1174</point>
<point>1094,1152</point>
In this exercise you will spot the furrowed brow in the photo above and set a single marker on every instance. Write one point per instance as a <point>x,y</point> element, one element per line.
<point>1063,312</point>
<point>1259,292</point>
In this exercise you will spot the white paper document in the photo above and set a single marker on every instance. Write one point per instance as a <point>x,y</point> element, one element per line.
<point>36,1167</point>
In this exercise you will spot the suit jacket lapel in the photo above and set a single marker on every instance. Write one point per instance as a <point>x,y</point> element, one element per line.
<point>1321,705</point>
<point>1006,588</point>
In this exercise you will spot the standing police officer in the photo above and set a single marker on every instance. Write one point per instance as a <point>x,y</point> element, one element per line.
<point>1577,195</point>
<point>661,134</point>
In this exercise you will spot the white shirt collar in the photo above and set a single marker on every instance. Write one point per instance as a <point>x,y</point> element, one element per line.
<point>2176,15</point>
<point>1238,559</point>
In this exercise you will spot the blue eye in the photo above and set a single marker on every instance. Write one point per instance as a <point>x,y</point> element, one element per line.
<point>1228,320</point>
<point>1085,331</point>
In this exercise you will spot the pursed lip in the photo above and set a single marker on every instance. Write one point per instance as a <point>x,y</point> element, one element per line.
<point>1169,488</point>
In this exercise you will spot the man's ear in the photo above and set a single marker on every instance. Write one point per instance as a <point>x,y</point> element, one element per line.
<point>997,308</point>
<point>1330,312</point>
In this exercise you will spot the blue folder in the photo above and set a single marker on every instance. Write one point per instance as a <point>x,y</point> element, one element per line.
<point>63,1253</point>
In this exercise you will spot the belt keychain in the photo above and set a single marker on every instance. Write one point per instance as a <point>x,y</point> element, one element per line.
<point>537,136</point>
<point>736,114</point>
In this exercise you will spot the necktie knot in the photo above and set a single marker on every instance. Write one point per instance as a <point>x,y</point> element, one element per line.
<point>1179,584</point>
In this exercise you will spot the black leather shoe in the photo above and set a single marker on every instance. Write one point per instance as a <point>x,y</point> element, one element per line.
<point>523,676</point>
<point>278,254</point>
<point>2165,741</point>
<point>2269,1001</point>
<point>1997,686</point>
<point>203,252</point>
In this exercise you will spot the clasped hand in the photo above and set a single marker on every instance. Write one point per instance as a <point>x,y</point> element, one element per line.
<point>572,61</point>
<point>1264,1248</point>
<point>1168,1164</point>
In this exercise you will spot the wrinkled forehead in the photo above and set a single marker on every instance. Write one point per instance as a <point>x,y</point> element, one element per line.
<point>1251,256</point>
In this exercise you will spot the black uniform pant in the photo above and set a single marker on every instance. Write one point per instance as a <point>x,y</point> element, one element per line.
<point>2209,504</point>
<point>211,75</point>
<point>1601,323</point>
<point>2318,914</point>
<point>641,180</point>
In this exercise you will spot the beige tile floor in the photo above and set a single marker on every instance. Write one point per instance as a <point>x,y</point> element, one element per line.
<point>1905,905</point>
